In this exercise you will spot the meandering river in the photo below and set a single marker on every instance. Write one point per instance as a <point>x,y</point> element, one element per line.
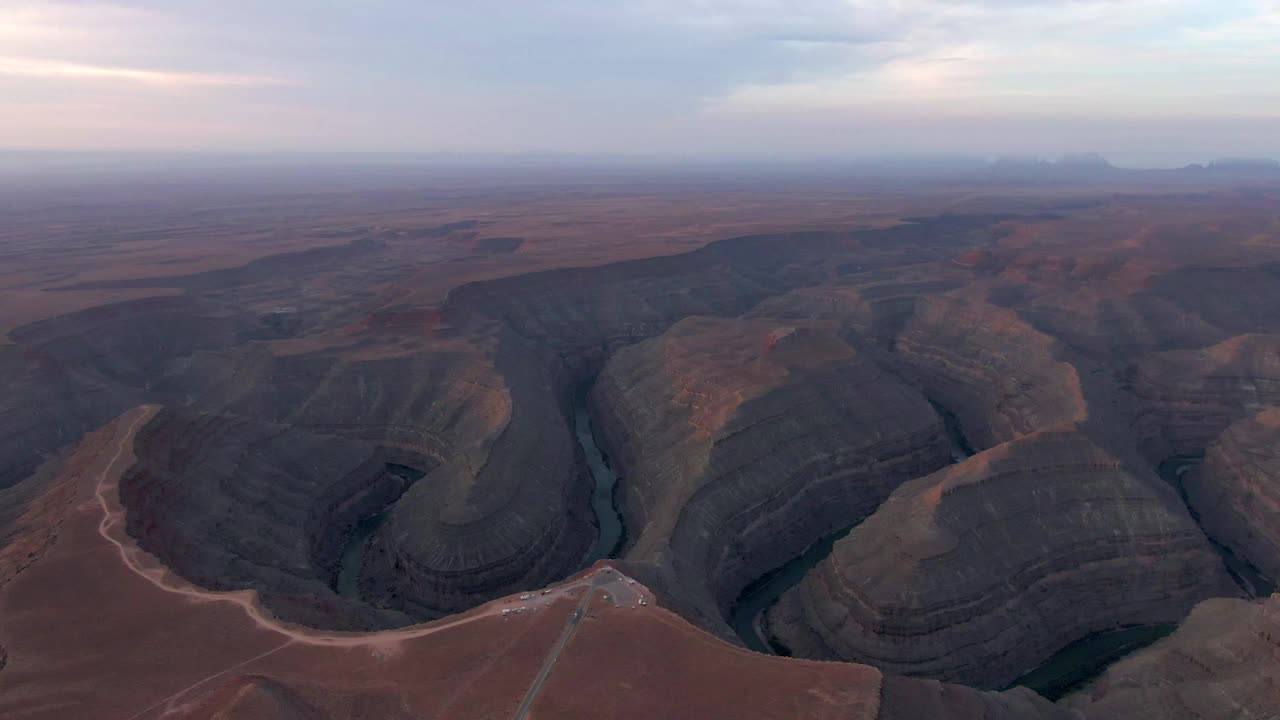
<point>759,596</point>
<point>351,561</point>
<point>612,535</point>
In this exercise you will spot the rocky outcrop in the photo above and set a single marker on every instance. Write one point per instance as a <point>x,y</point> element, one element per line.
<point>1235,492</point>
<point>68,375</point>
<point>486,423</point>
<point>1000,376</point>
<point>741,442</point>
<point>995,372</point>
<point>1188,397</point>
<point>586,311</point>
<point>231,503</point>
<point>135,343</point>
<point>1222,662</point>
<point>45,407</point>
<point>507,510</point>
<point>982,571</point>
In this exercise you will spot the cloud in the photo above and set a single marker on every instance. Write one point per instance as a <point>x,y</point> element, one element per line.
<point>631,75</point>
<point>40,68</point>
<point>1139,58</point>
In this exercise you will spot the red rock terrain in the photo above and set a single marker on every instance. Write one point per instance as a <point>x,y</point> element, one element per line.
<point>1236,490</point>
<point>384,388</point>
<point>158,646</point>
<point>1188,397</point>
<point>1223,662</point>
<point>741,439</point>
<point>981,572</point>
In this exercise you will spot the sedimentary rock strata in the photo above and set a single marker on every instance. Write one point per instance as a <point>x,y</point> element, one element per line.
<point>506,513</point>
<point>742,441</point>
<point>1222,662</point>
<point>979,572</point>
<point>994,371</point>
<point>68,375</point>
<point>1188,397</point>
<point>1235,492</point>
<point>231,503</point>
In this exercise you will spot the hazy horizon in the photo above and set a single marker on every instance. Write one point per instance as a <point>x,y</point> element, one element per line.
<point>1146,83</point>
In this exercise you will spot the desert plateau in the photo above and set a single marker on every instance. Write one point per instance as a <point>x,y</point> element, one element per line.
<point>968,451</point>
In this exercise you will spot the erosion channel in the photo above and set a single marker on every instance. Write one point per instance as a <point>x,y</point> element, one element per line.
<point>351,561</point>
<point>760,595</point>
<point>609,520</point>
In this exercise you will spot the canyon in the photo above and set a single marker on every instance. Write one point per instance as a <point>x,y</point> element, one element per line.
<point>926,435</point>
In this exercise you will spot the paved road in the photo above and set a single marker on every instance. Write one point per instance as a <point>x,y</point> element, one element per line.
<point>570,627</point>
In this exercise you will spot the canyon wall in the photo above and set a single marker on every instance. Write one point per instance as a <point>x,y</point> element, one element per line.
<point>978,573</point>
<point>740,442</point>
<point>1235,492</point>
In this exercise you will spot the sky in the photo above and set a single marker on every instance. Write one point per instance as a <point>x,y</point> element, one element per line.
<point>1154,81</point>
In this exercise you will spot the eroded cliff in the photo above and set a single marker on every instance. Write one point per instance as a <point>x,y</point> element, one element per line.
<point>742,441</point>
<point>979,572</point>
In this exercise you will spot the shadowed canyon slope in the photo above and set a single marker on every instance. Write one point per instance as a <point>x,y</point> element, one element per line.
<point>1223,662</point>
<point>742,440</point>
<point>373,423</point>
<point>980,572</point>
<point>1236,491</point>
<point>161,647</point>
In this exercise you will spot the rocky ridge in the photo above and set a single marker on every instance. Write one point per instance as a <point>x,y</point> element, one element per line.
<point>741,441</point>
<point>980,572</point>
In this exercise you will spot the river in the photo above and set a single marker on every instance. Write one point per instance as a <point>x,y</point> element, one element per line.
<point>1068,669</point>
<point>612,536</point>
<point>1086,659</point>
<point>746,614</point>
<point>347,582</point>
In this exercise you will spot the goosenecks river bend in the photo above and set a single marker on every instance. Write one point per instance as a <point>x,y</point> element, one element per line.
<point>747,613</point>
<point>1068,669</point>
<point>611,537</point>
<point>611,531</point>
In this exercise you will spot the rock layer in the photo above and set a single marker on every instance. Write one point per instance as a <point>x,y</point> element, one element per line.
<point>1236,490</point>
<point>502,514</point>
<point>982,571</point>
<point>983,363</point>
<point>1188,397</point>
<point>1222,663</point>
<point>742,441</point>
<point>231,503</point>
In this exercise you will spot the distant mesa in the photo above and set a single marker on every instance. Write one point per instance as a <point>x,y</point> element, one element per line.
<point>1032,167</point>
<point>1085,160</point>
<point>1245,164</point>
<point>1011,162</point>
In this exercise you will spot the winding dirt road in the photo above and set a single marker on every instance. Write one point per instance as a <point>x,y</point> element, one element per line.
<point>112,528</point>
<point>98,627</point>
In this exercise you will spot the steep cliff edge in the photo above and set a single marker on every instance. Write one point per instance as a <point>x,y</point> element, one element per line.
<point>1187,397</point>
<point>997,374</point>
<point>231,503</point>
<point>740,442</point>
<point>1236,490</point>
<point>1223,662</point>
<point>979,572</point>
<point>507,510</point>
